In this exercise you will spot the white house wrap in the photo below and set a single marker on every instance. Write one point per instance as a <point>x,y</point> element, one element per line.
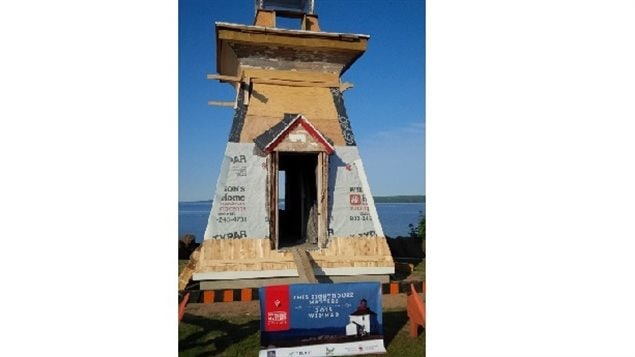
<point>239,207</point>
<point>352,210</point>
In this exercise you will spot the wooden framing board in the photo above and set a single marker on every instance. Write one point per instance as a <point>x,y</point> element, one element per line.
<point>223,78</point>
<point>273,199</point>
<point>296,76</point>
<point>322,175</point>
<point>227,275</point>
<point>288,83</point>
<point>221,103</point>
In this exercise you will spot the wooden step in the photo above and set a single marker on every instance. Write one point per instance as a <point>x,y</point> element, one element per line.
<point>305,270</point>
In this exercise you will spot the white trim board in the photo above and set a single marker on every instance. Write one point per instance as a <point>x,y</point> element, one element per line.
<point>354,271</point>
<point>250,274</point>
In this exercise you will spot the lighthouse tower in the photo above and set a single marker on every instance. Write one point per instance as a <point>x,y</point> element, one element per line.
<point>292,178</point>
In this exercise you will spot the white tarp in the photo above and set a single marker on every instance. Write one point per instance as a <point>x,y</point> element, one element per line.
<point>239,209</point>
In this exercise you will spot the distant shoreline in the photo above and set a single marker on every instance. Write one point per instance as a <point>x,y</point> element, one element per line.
<point>377,199</point>
<point>400,199</point>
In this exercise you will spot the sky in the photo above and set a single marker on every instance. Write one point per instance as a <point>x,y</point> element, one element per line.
<point>386,107</point>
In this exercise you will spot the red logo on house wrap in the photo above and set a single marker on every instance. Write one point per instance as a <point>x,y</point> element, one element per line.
<point>355,199</point>
<point>276,312</point>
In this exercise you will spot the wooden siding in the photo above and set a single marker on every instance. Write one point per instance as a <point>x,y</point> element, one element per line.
<point>222,255</point>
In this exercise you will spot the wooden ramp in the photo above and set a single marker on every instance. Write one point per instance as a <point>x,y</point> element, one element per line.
<point>305,270</point>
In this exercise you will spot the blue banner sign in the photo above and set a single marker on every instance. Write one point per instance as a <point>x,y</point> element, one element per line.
<point>321,319</point>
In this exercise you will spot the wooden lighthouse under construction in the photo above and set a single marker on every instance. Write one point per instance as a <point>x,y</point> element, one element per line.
<point>290,122</point>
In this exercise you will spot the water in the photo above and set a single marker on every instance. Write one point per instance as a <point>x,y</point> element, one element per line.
<point>193,218</point>
<point>394,217</point>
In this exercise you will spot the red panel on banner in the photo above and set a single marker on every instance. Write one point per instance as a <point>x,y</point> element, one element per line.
<point>277,308</point>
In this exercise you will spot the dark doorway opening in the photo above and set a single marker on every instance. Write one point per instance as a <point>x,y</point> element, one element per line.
<point>297,217</point>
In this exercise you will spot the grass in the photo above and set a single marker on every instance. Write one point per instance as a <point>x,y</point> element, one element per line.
<point>419,272</point>
<point>219,336</point>
<point>240,336</point>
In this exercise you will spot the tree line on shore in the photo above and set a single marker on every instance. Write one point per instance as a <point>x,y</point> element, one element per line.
<point>400,199</point>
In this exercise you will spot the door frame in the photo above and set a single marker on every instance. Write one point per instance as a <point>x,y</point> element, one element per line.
<point>321,181</point>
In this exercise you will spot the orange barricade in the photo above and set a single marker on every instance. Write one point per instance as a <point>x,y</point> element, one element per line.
<point>416,312</point>
<point>186,298</point>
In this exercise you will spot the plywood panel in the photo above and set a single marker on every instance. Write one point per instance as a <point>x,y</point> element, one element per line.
<point>225,252</point>
<point>362,246</point>
<point>212,251</point>
<point>259,251</point>
<point>256,255</point>
<point>256,125</point>
<point>265,18</point>
<point>264,248</point>
<point>227,61</point>
<point>330,127</point>
<point>275,100</point>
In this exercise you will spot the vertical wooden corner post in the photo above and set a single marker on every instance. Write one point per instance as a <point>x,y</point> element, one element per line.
<point>322,178</point>
<point>273,198</point>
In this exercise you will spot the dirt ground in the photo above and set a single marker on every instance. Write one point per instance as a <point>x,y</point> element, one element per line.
<point>252,308</point>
